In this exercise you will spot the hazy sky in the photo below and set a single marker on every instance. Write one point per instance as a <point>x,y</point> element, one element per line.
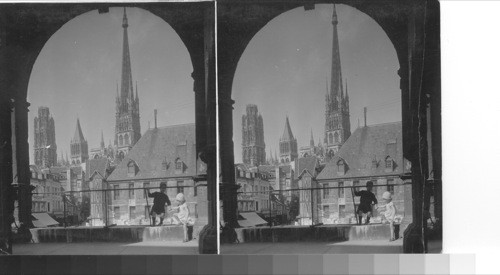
<point>285,68</point>
<point>77,72</point>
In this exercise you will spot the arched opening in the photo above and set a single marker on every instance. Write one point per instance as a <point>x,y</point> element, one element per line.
<point>196,48</point>
<point>399,39</point>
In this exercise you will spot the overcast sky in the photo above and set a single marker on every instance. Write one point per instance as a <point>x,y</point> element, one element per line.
<point>77,72</point>
<point>286,65</point>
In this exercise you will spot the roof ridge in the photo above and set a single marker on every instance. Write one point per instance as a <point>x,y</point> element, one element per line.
<point>175,125</point>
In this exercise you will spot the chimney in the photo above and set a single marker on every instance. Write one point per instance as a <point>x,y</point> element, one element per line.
<point>155,118</point>
<point>364,109</point>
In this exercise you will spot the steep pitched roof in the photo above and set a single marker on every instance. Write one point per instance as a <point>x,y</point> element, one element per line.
<point>96,166</point>
<point>78,135</point>
<point>364,146</point>
<point>287,133</point>
<point>309,164</point>
<point>159,146</point>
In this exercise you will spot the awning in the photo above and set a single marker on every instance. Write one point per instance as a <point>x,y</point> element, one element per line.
<point>250,219</point>
<point>43,220</point>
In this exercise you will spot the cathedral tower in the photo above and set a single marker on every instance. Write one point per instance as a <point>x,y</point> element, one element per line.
<point>254,148</point>
<point>288,145</point>
<point>45,139</point>
<point>127,127</point>
<point>337,121</point>
<point>79,149</point>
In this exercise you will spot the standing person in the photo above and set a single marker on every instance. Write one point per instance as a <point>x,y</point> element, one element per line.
<point>182,214</point>
<point>160,198</point>
<point>365,202</point>
<point>389,213</point>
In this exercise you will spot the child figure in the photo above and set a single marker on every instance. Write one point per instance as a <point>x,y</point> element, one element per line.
<point>182,214</point>
<point>389,213</point>
<point>365,202</point>
<point>160,198</point>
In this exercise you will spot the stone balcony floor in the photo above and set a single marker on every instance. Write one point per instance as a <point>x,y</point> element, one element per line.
<point>108,248</point>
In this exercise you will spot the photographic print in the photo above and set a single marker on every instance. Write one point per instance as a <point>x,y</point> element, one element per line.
<point>108,129</point>
<point>329,127</point>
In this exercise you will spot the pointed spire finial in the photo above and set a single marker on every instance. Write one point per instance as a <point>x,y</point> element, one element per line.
<point>334,16</point>
<point>125,20</point>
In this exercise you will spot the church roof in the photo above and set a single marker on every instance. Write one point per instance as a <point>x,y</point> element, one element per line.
<point>78,135</point>
<point>365,152</point>
<point>309,164</point>
<point>99,166</point>
<point>287,133</point>
<point>155,154</point>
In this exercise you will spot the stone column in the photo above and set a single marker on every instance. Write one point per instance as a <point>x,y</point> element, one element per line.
<point>6,189</point>
<point>206,125</point>
<point>21,155</point>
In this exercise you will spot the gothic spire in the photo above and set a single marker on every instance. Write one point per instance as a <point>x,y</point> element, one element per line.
<point>78,136</point>
<point>287,133</point>
<point>102,140</point>
<point>311,142</point>
<point>336,77</point>
<point>126,88</point>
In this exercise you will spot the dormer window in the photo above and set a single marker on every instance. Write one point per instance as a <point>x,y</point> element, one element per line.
<point>164,165</point>
<point>132,168</point>
<point>341,167</point>
<point>389,164</point>
<point>179,166</point>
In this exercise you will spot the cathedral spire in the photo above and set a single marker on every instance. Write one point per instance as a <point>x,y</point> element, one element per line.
<point>126,88</point>
<point>78,135</point>
<point>311,142</point>
<point>287,133</point>
<point>336,77</point>
<point>102,140</point>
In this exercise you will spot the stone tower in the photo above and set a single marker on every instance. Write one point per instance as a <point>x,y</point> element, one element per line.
<point>288,145</point>
<point>45,139</point>
<point>337,121</point>
<point>254,148</point>
<point>79,149</point>
<point>127,127</point>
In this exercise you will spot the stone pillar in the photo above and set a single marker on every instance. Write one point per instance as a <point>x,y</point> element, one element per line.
<point>21,155</point>
<point>6,189</point>
<point>205,96</point>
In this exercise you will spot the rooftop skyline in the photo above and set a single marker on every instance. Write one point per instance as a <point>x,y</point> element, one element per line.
<point>286,68</point>
<point>78,72</point>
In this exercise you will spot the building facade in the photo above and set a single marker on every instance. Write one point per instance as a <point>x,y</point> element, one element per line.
<point>47,192</point>
<point>254,148</point>
<point>45,139</point>
<point>127,126</point>
<point>162,155</point>
<point>373,153</point>
<point>337,118</point>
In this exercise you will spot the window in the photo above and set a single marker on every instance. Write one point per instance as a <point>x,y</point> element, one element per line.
<point>326,211</point>
<point>389,164</point>
<point>256,206</point>
<point>131,191</point>
<point>196,189</point>
<point>116,212</point>
<point>341,166</point>
<point>147,209</point>
<point>326,191</point>
<point>341,189</point>
<point>336,137</point>
<point>390,186</point>
<point>132,171</point>
<point>131,212</point>
<point>341,211</point>
<point>164,164</point>
<point>180,188</point>
<point>116,192</point>
<point>178,164</point>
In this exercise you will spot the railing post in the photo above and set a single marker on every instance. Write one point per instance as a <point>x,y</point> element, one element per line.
<point>64,208</point>
<point>312,206</point>
<point>106,208</point>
